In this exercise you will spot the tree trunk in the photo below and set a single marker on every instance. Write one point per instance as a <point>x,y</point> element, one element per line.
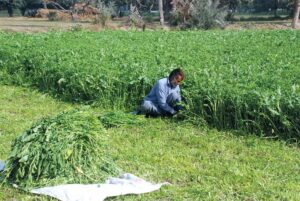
<point>10,8</point>
<point>45,4</point>
<point>276,4</point>
<point>161,12</point>
<point>296,14</point>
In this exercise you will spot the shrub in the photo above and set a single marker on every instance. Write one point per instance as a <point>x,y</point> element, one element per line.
<point>106,11</point>
<point>206,14</point>
<point>52,16</point>
<point>55,15</point>
<point>203,14</point>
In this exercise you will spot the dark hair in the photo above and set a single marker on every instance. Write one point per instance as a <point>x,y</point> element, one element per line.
<point>176,72</point>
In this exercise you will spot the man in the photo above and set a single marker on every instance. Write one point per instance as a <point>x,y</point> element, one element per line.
<point>164,95</point>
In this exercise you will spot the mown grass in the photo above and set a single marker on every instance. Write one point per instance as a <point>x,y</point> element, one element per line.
<point>200,164</point>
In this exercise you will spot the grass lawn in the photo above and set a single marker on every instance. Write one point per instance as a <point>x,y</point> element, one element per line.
<point>200,164</point>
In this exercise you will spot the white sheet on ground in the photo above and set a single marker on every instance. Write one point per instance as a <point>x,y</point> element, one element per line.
<point>125,184</point>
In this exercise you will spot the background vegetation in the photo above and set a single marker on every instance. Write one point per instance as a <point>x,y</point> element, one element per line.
<point>202,14</point>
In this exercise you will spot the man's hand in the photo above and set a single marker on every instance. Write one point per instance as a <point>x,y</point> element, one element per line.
<point>183,99</point>
<point>177,108</point>
<point>179,116</point>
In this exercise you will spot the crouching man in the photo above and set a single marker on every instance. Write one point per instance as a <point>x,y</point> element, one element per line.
<point>164,96</point>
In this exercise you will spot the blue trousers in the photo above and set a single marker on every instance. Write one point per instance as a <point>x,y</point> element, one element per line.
<point>2,165</point>
<point>148,107</point>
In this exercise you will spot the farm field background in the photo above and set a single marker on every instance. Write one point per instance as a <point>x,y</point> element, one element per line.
<point>246,80</point>
<point>200,164</point>
<point>240,141</point>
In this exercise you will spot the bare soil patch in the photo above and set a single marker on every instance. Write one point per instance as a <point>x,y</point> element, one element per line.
<point>31,25</point>
<point>271,25</point>
<point>25,24</point>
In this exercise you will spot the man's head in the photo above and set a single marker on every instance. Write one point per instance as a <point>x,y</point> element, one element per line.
<point>176,76</point>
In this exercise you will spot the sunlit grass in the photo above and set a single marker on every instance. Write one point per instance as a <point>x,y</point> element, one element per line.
<point>200,164</point>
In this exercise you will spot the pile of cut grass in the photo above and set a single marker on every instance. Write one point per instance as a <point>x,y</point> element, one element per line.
<point>68,148</point>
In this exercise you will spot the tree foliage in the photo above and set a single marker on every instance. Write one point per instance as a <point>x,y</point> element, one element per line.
<point>207,14</point>
<point>105,11</point>
<point>198,13</point>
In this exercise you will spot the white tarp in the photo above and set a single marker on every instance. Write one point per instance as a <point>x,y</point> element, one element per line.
<point>125,184</point>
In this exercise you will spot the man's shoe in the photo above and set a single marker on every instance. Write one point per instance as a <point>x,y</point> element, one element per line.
<point>151,115</point>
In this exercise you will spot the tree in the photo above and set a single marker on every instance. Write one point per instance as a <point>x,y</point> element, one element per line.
<point>161,12</point>
<point>296,14</point>
<point>182,9</point>
<point>207,14</point>
<point>203,14</point>
<point>9,6</point>
<point>234,4</point>
<point>45,4</point>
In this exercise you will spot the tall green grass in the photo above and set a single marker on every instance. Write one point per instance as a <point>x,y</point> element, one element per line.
<point>245,80</point>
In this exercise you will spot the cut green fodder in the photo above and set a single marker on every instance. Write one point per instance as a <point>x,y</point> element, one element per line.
<point>119,118</point>
<point>69,148</point>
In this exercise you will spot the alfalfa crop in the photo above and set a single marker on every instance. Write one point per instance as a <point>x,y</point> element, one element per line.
<point>69,148</point>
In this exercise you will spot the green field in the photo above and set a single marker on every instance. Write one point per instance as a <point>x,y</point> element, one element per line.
<point>246,80</point>
<point>239,139</point>
<point>200,163</point>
